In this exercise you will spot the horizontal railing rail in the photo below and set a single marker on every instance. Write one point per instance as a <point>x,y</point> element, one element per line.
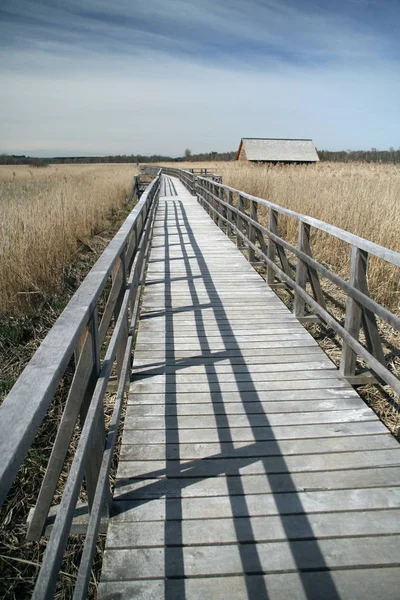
<point>93,336</point>
<point>237,213</point>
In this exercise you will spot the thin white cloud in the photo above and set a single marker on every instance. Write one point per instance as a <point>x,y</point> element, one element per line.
<point>164,107</point>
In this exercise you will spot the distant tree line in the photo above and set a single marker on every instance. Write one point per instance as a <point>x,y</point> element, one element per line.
<point>369,156</point>
<point>14,159</point>
<point>207,156</point>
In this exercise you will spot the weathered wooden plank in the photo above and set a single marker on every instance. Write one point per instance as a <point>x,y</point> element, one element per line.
<point>237,408</point>
<point>238,363</point>
<point>256,465</point>
<point>247,434</point>
<point>323,393</point>
<point>272,557</point>
<point>350,583</point>
<point>215,329</point>
<point>192,532</point>
<point>293,348</point>
<point>188,344</point>
<point>185,376</point>
<point>142,369</point>
<point>132,451</point>
<point>233,421</point>
<point>236,485</point>
<point>299,382</point>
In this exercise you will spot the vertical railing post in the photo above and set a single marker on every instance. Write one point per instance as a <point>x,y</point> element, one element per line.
<point>215,192</point>
<point>207,195</point>
<point>125,327</point>
<point>200,193</point>
<point>118,276</point>
<point>239,222</point>
<point>301,269</point>
<point>352,323</point>
<point>229,230</point>
<point>273,227</point>
<point>95,454</point>
<point>220,195</point>
<point>252,230</point>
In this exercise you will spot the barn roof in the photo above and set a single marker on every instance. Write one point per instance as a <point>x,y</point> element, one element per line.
<point>279,150</point>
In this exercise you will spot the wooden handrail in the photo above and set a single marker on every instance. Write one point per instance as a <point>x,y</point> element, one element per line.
<point>77,333</point>
<point>386,254</point>
<point>267,244</point>
<point>355,293</point>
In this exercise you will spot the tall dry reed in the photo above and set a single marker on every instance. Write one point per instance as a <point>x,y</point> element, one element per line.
<point>45,215</point>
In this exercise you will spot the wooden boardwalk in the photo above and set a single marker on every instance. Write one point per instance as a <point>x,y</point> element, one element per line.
<point>249,467</point>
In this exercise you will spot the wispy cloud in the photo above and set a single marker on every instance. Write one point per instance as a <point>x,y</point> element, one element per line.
<point>159,75</point>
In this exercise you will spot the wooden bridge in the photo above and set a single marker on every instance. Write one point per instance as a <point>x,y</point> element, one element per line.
<point>249,465</point>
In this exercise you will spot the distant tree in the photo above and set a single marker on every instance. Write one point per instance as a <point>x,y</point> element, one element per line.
<point>38,162</point>
<point>188,153</point>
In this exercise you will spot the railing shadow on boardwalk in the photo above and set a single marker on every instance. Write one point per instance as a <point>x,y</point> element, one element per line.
<point>287,503</point>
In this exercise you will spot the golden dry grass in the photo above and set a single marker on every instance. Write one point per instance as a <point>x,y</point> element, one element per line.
<point>78,201</point>
<point>47,214</point>
<point>361,198</point>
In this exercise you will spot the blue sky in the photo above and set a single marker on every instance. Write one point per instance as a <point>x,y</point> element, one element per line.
<point>158,76</point>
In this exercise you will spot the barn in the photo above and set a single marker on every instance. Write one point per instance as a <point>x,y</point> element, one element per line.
<point>275,150</point>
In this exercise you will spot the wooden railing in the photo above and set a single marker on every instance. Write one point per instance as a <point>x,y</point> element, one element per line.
<point>187,176</point>
<point>140,183</point>
<point>237,213</point>
<point>94,336</point>
<point>206,173</point>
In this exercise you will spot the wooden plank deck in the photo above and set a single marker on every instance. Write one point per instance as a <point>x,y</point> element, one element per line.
<point>249,467</point>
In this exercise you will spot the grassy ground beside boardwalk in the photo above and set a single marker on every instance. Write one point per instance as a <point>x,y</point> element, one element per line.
<point>55,223</point>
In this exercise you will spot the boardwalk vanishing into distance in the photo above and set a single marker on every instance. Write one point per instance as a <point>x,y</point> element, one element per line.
<point>249,467</point>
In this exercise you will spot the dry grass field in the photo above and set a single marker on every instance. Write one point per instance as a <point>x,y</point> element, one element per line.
<point>55,223</point>
<point>50,214</point>
<point>361,198</point>
<point>46,214</point>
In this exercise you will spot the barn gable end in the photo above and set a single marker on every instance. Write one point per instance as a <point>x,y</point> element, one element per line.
<point>241,155</point>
